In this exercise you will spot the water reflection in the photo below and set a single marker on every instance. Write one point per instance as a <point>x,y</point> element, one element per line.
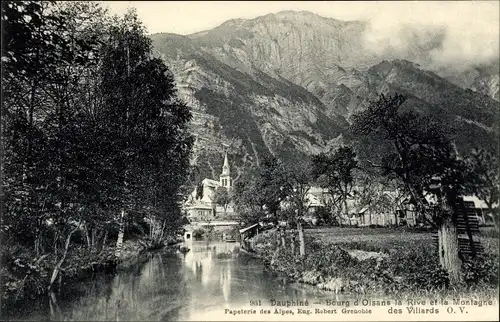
<point>210,277</point>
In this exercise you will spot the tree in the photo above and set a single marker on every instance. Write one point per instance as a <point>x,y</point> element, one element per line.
<point>222,197</point>
<point>298,179</point>
<point>146,122</point>
<point>260,191</point>
<point>377,194</point>
<point>92,125</point>
<point>420,154</point>
<point>45,60</point>
<point>334,172</point>
<point>248,209</point>
<point>270,184</point>
<point>485,183</point>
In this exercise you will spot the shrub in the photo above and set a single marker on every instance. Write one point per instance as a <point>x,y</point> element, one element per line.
<point>412,267</point>
<point>198,233</point>
<point>481,269</point>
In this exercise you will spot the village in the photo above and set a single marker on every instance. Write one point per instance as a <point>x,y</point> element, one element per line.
<point>208,209</point>
<point>372,231</point>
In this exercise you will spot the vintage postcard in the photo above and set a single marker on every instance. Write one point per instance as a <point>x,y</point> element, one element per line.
<point>250,161</point>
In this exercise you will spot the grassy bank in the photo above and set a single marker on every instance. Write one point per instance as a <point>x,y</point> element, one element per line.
<point>381,262</point>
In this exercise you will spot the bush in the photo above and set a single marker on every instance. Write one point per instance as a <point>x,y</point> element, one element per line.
<point>412,266</point>
<point>490,232</point>
<point>481,270</point>
<point>198,233</point>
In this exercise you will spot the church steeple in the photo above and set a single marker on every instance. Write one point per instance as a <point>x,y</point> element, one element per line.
<point>225,177</point>
<point>225,167</point>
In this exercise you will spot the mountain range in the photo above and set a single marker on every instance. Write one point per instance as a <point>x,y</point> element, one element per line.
<point>289,83</point>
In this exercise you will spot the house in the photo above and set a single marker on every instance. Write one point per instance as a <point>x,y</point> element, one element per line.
<point>205,208</point>
<point>389,208</point>
<point>316,199</point>
<point>483,213</point>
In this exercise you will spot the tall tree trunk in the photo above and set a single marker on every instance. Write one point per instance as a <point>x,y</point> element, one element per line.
<point>57,268</point>
<point>448,249</point>
<point>93,238</point>
<point>448,239</point>
<point>302,245</point>
<point>121,231</point>
<point>103,245</point>
<point>87,236</point>
<point>55,311</point>
<point>38,239</point>
<point>346,211</point>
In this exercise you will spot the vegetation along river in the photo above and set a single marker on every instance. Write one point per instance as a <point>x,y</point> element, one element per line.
<point>200,284</point>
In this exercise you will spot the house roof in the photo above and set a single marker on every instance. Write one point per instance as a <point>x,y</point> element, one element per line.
<point>318,191</point>
<point>200,205</point>
<point>248,228</point>
<point>314,201</point>
<point>211,183</point>
<point>478,203</point>
<point>365,208</point>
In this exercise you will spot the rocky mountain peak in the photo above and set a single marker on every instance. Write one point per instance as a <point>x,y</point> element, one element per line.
<point>288,82</point>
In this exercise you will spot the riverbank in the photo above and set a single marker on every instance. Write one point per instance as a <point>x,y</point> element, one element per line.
<point>25,277</point>
<point>397,264</point>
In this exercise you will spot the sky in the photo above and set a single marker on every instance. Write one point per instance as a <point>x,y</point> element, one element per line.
<point>472,27</point>
<point>186,17</point>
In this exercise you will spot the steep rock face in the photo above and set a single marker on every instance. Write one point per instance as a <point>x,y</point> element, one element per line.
<point>314,52</point>
<point>308,50</point>
<point>474,115</point>
<point>253,115</point>
<point>482,79</point>
<point>288,84</point>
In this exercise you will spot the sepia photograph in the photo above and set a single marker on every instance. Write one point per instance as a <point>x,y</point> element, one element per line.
<point>250,161</point>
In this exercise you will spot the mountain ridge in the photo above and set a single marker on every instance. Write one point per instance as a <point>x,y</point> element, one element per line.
<point>265,85</point>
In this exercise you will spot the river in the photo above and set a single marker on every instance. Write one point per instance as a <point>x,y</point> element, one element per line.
<point>198,285</point>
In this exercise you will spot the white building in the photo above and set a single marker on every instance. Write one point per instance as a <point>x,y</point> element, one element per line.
<point>206,207</point>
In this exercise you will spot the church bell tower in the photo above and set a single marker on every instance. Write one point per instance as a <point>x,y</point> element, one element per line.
<point>225,177</point>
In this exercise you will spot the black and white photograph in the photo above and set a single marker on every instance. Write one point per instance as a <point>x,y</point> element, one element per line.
<point>250,161</point>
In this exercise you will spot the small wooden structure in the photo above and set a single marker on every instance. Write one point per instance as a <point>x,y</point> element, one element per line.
<point>246,233</point>
<point>467,225</point>
<point>250,231</point>
<point>188,235</point>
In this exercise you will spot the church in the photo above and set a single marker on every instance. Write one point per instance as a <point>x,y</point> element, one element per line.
<point>206,208</point>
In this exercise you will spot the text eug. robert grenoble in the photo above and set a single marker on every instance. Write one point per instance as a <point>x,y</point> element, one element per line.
<point>361,306</point>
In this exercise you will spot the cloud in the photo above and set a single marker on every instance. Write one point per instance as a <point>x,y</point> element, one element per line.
<point>453,34</point>
<point>438,32</point>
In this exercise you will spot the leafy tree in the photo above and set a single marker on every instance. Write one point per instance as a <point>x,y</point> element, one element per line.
<point>249,210</point>
<point>92,125</point>
<point>258,193</point>
<point>377,194</point>
<point>420,155</point>
<point>270,184</point>
<point>222,197</point>
<point>45,61</point>
<point>334,172</point>
<point>485,183</point>
<point>146,122</point>
<point>297,185</point>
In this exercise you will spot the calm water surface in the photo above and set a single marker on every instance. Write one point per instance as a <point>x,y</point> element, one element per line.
<point>193,286</point>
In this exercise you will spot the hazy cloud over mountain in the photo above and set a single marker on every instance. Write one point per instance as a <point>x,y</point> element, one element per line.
<point>459,32</point>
